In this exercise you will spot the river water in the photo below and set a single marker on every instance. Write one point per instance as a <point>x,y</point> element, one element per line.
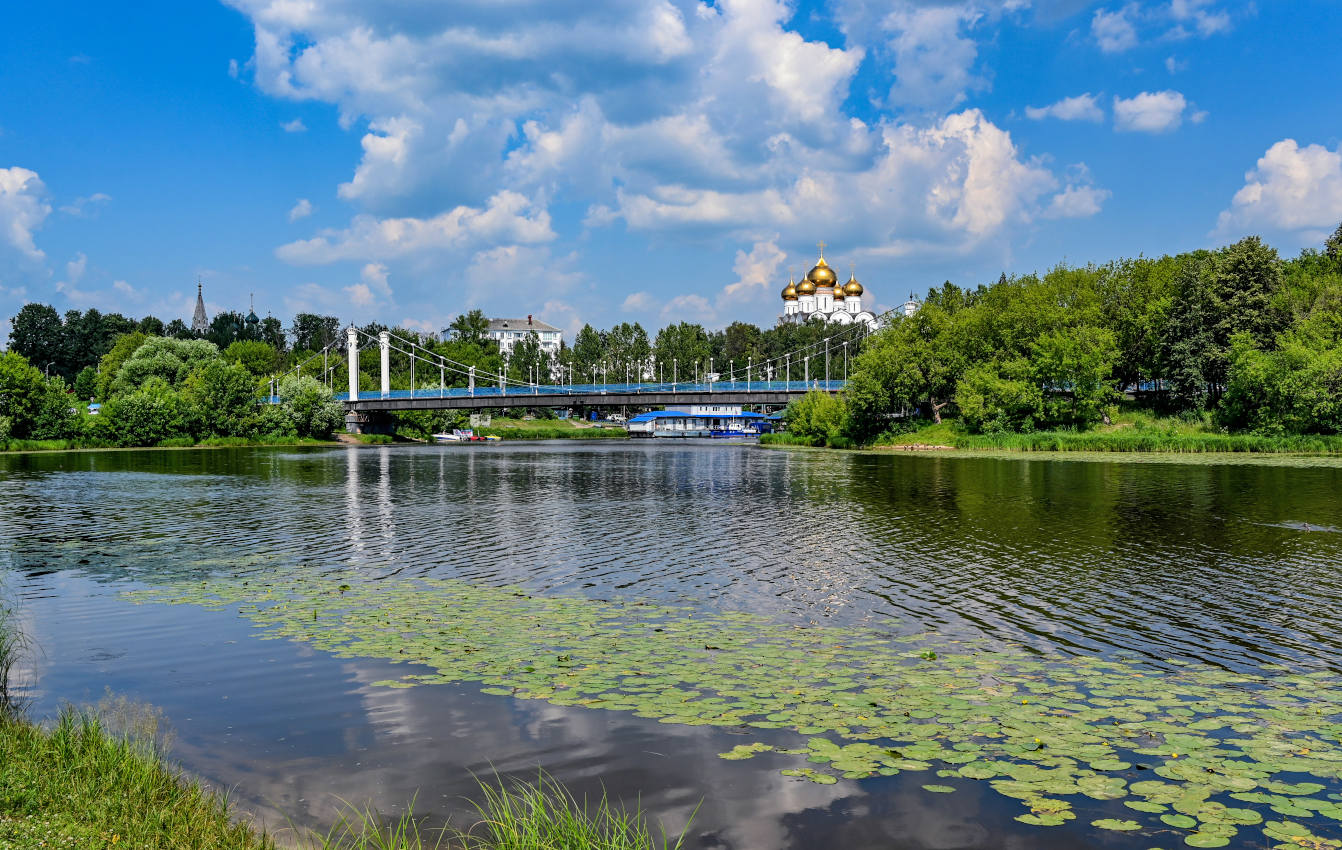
<point>1229,565</point>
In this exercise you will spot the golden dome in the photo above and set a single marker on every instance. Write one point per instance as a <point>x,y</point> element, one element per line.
<point>806,287</point>
<point>838,292</point>
<point>822,274</point>
<point>852,288</point>
<point>790,291</point>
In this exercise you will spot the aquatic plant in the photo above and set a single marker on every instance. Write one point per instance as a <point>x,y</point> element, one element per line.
<point>1213,751</point>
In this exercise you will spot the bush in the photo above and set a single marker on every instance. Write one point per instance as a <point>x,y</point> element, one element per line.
<point>310,407</point>
<point>150,415</point>
<point>171,360</point>
<point>994,397</point>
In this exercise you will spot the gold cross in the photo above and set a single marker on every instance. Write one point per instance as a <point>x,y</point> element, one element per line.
<point>821,246</point>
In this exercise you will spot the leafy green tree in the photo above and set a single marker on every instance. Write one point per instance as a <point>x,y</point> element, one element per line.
<point>226,328</point>
<point>37,333</point>
<point>679,348</point>
<point>22,393</point>
<point>528,361</point>
<point>1333,245</point>
<point>1294,389</point>
<point>151,413</point>
<point>310,407</point>
<point>588,351</point>
<point>257,357</point>
<point>161,357</point>
<point>272,333</point>
<point>225,394</point>
<point>1073,365</point>
<point>151,326</point>
<point>111,363</point>
<point>86,384</point>
<point>1000,396</point>
<point>470,327</point>
<point>817,417</point>
<point>313,332</point>
<point>177,329</point>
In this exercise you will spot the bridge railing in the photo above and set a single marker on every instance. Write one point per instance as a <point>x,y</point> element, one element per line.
<point>560,392</point>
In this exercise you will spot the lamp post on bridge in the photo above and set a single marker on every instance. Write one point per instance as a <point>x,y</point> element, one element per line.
<point>826,362</point>
<point>845,359</point>
<point>675,372</point>
<point>750,362</point>
<point>806,376</point>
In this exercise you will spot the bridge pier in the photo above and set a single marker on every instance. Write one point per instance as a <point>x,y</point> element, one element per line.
<point>369,422</point>
<point>384,344</point>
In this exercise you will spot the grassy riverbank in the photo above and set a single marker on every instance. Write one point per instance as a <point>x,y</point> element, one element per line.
<point>552,429</point>
<point>87,783</point>
<point>1129,433</point>
<point>16,446</point>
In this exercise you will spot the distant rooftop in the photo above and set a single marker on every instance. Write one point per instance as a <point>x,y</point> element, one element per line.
<point>527,324</point>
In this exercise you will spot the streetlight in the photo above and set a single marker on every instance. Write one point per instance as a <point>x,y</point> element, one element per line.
<point>675,372</point>
<point>750,361</point>
<point>845,359</point>
<point>806,376</point>
<point>46,370</point>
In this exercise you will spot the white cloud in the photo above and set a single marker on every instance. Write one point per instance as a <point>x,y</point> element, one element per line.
<point>302,209</point>
<point>74,270</point>
<point>1205,21</point>
<point>372,287</point>
<point>756,272</point>
<point>294,126</point>
<point>934,60</point>
<point>1150,112</point>
<point>81,207</point>
<point>1290,188</point>
<point>1080,108</point>
<point>689,308</point>
<point>1174,66</point>
<point>1077,202</point>
<point>1114,31</point>
<point>23,209</point>
<point>639,302</point>
<point>508,217</point>
<point>233,68</point>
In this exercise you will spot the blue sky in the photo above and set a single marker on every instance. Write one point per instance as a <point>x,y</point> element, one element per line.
<point>601,161</point>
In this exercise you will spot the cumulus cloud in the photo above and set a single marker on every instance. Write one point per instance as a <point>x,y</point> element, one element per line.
<point>23,209</point>
<point>294,126</point>
<point>508,217</point>
<point>1206,21</point>
<point>718,120</point>
<point>1114,31</point>
<point>1080,108</point>
<point>1290,188</point>
<point>302,209</point>
<point>1150,112</point>
<point>689,308</point>
<point>1080,201</point>
<point>756,272</point>
<point>372,287</point>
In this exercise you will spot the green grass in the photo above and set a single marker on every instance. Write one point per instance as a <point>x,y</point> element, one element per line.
<point>99,779</point>
<point>375,439</point>
<point>208,442</point>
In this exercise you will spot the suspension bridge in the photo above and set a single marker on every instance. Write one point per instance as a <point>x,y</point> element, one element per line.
<point>436,381</point>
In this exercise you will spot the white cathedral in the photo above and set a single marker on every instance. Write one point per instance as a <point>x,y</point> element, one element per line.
<point>820,295</point>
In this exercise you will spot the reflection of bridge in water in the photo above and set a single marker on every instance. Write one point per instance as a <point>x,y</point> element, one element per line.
<point>368,410</point>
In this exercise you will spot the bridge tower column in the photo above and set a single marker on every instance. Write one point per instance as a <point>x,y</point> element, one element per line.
<point>384,343</point>
<point>352,348</point>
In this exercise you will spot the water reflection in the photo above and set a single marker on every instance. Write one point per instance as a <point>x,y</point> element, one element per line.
<point>1200,562</point>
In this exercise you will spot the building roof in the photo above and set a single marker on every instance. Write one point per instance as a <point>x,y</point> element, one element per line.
<point>652,415</point>
<point>520,325</point>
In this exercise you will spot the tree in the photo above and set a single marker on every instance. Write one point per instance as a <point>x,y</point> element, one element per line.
<point>121,351</point>
<point>587,352</point>
<point>224,394</point>
<point>1333,245</point>
<point>177,329</point>
<point>86,384</point>
<point>152,413</point>
<point>529,362</point>
<point>310,407</point>
<point>312,332</point>
<point>38,335</point>
<point>150,326</point>
<point>817,417</point>
<point>272,333</point>
<point>21,395</point>
<point>257,357</point>
<point>471,327</point>
<point>226,328</point>
<point>171,360</point>
<point>1000,396</point>
<point>679,348</point>
<point>1072,368</point>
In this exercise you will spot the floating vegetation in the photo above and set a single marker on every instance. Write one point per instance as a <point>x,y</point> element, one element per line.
<point>1198,750</point>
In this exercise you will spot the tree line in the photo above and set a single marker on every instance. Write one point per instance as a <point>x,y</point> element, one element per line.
<point>1236,338</point>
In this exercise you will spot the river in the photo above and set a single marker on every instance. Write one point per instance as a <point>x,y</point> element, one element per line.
<point>1221,566</point>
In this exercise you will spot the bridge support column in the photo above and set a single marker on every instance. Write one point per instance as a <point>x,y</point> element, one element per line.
<point>352,348</point>
<point>384,344</point>
<point>370,422</point>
